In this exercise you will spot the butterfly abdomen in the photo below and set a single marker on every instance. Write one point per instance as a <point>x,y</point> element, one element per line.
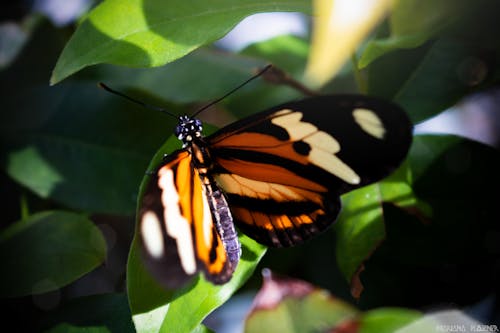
<point>224,223</point>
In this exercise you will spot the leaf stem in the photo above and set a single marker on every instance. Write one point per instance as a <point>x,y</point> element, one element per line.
<point>358,76</point>
<point>23,203</point>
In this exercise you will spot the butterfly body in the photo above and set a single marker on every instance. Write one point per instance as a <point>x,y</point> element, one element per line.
<point>277,175</point>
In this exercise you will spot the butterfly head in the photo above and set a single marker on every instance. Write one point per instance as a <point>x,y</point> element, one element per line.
<point>188,128</point>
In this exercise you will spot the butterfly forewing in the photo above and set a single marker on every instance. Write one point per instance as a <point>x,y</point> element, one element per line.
<point>283,170</point>
<point>178,235</point>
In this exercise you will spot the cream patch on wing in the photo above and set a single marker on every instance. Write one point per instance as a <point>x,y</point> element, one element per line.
<point>323,145</point>
<point>151,234</point>
<point>177,226</point>
<point>369,122</point>
<point>290,121</point>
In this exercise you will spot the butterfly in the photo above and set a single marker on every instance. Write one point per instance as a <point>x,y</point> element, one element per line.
<point>277,176</point>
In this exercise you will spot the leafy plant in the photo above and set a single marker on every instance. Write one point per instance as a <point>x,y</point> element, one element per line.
<point>73,154</point>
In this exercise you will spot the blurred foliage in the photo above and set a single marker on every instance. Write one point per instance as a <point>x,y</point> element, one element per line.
<point>72,154</point>
<point>290,305</point>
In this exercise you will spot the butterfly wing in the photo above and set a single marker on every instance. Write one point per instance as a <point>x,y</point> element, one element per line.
<point>283,170</point>
<point>177,233</point>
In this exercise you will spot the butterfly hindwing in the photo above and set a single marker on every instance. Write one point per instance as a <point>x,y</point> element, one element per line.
<point>177,231</point>
<point>283,170</point>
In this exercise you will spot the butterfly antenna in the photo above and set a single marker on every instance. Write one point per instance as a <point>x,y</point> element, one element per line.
<point>262,71</point>
<point>136,101</point>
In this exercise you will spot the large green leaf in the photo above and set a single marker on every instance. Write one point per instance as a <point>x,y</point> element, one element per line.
<point>145,33</point>
<point>360,228</point>
<point>47,251</point>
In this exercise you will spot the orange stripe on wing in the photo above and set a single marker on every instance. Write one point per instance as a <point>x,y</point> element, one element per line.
<point>269,173</point>
<point>274,221</point>
<point>262,220</point>
<point>207,239</point>
<point>186,181</point>
<point>262,143</point>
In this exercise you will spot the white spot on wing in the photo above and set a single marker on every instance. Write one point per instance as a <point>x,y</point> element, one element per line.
<point>151,234</point>
<point>369,122</point>
<point>177,226</point>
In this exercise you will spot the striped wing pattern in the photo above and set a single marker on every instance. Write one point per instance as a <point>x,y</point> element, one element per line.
<point>283,170</point>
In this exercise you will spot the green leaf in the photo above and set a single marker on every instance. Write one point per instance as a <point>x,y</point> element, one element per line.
<point>441,79</point>
<point>359,229</point>
<point>214,74</point>
<point>456,235</point>
<point>205,297</point>
<point>396,188</point>
<point>315,313</point>
<point>47,251</point>
<point>459,60</point>
<point>74,143</point>
<point>79,155</point>
<point>148,299</point>
<point>413,22</point>
<point>428,80</point>
<point>361,226</point>
<point>91,314</point>
<point>290,305</point>
<point>387,320</point>
<point>154,32</point>
<point>287,51</point>
<point>202,329</point>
